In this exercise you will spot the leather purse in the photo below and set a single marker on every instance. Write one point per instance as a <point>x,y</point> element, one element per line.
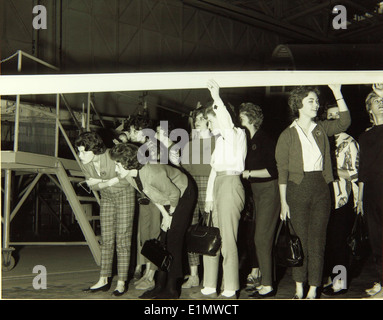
<point>288,247</point>
<point>155,251</point>
<point>203,239</point>
<point>358,239</point>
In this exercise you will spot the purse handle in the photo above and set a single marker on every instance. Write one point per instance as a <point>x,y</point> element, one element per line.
<point>208,215</point>
<point>288,225</point>
<point>202,220</point>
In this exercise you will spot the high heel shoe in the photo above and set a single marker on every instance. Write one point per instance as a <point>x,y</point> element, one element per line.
<point>103,288</point>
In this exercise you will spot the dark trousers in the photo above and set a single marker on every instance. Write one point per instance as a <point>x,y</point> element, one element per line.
<point>373,209</point>
<point>174,237</point>
<point>338,229</point>
<point>310,206</point>
<point>267,208</point>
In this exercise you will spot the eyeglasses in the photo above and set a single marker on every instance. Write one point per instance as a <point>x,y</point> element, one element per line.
<point>377,100</point>
<point>85,186</point>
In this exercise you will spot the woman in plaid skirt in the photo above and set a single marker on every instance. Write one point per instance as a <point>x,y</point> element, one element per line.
<point>174,193</point>
<point>116,209</point>
<point>198,165</point>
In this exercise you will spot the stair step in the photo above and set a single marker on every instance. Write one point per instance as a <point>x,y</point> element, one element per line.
<point>87,199</point>
<point>76,179</point>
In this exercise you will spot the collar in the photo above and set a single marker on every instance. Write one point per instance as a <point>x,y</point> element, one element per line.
<point>296,125</point>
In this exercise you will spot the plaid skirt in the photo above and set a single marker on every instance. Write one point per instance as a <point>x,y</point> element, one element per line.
<point>194,259</point>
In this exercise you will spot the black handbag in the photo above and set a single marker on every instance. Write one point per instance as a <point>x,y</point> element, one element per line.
<point>288,247</point>
<point>157,253</point>
<point>358,239</point>
<point>203,239</point>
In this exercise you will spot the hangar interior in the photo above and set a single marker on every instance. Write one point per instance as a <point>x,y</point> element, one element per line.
<point>42,202</point>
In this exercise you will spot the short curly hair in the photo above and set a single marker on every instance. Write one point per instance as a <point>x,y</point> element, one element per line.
<point>297,95</point>
<point>195,113</point>
<point>139,122</point>
<point>253,112</point>
<point>91,141</point>
<point>368,101</point>
<point>128,155</point>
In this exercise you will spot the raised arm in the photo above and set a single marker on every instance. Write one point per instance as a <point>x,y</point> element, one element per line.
<point>223,116</point>
<point>344,121</point>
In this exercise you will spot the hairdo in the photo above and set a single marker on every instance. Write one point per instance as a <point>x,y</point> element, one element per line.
<point>140,122</point>
<point>368,102</point>
<point>209,109</point>
<point>127,154</point>
<point>296,97</point>
<point>253,112</point>
<point>91,141</point>
<point>197,112</point>
<point>326,107</point>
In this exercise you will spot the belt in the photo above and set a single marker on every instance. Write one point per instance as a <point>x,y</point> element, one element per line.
<point>228,173</point>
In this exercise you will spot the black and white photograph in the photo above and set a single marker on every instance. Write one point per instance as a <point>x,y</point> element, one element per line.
<point>186,155</point>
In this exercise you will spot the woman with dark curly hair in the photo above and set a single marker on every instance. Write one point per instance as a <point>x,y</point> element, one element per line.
<point>304,171</point>
<point>261,173</point>
<point>174,194</point>
<point>116,209</point>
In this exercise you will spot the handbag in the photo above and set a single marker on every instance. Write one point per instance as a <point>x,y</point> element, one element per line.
<point>288,247</point>
<point>358,239</point>
<point>203,239</point>
<point>155,251</point>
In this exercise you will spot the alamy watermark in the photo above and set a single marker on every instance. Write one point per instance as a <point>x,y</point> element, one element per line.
<point>40,281</point>
<point>40,20</point>
<point>200,149</point>
<point>338,22</point>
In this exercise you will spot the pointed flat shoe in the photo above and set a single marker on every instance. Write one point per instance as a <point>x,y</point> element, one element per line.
<point>103,288</point>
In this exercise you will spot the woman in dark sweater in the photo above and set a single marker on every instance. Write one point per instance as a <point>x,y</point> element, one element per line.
<point>261,171</point>
<point>304,170</point>
<point>370,200</point>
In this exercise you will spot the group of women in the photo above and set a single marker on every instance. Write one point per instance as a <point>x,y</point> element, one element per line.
<point>288,180</point>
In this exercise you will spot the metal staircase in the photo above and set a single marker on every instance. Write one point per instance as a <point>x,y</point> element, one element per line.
<point>67,172</point>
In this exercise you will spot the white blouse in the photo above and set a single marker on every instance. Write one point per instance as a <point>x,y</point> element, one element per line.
<point>312,157</point>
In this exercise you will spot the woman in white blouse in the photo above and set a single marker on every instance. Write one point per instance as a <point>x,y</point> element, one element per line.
<point>304,171</point>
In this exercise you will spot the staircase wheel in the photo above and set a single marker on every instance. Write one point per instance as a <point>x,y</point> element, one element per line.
<point>8,265</point>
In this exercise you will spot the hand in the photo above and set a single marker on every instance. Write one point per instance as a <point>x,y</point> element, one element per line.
<point>378,88</point>
<point>335,87</point>
<point>359,208</point>
<point>166,223</point>
<point>285,212</point>
<point>112,181</point>
<point>93,181</point>
<point>214,90</point>
<point>208,206</point>
<point>171,209</point>
<point>246,174</point>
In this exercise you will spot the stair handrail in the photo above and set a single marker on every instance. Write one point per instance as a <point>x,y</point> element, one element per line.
<point>69,143</point>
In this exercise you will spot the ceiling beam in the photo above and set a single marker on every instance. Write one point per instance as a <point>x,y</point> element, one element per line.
<point>307,11</point>
<point>259,20</point>
<point>113,82</point>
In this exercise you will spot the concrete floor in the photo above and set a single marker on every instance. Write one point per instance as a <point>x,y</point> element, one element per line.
<point>72,268</point>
